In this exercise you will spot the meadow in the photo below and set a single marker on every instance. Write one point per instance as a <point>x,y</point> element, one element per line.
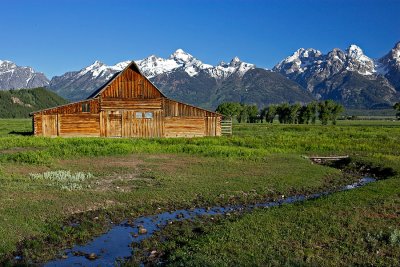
<point>130,177</point>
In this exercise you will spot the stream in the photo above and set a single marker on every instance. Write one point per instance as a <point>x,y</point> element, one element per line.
<point>115,245</point>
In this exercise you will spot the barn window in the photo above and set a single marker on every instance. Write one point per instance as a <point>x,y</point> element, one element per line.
<point>139,115</point>
<point>148,115</point>
<point>85,107</point>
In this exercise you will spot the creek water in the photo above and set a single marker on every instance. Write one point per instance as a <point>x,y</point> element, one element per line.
<point>115,245</point>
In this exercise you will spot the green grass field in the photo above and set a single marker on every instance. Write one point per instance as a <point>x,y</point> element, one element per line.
<point>137,176</point>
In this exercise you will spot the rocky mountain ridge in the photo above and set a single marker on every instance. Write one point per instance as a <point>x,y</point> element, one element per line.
<point>348,76</point>
<point>16,77</point>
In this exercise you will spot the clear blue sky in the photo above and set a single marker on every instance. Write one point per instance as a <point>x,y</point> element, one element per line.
<point>55,36</point>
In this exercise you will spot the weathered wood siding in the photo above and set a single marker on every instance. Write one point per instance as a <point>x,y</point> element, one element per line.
<point>37,124</point>
<point>126,123</point>
<point>145,104</point>
<point>79,125</point>
<point>131,84</point>
<point>73,108</point>
<point>49,125</point>
<point>184,127</point>
<point>176,109</point>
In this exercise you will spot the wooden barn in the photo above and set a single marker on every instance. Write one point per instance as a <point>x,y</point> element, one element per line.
<point>128,105</point>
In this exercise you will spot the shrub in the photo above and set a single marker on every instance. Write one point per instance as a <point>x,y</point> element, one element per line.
<point>64,179</point>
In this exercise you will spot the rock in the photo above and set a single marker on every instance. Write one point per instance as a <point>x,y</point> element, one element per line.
<point>91,256</point>
<point>142,231</point>
<point>64,257</point>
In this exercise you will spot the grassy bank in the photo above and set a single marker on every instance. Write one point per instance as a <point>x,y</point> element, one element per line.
<point>360,228</point>
<point>136,176</point>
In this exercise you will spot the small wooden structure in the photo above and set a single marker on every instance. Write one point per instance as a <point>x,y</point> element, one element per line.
<point>226,126</point>
<point>128,105</point>
<point>321,159</point>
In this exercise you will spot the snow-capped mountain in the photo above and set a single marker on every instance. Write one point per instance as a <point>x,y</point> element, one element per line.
<point>76,85</point>
<point>389,66</point>
<point>16,77</point>
<point>310,67</point>
<point>80,84</point>
<point>153,66</point>
<point>347,76</point>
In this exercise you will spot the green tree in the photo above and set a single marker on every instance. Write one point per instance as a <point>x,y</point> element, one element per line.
<point>271,112</point>
<point>230,109</point>
<point>397,107</point>
<point>283,111</point>
<point>294,113</point>
<point>263,114</point>
<point>252,112</point>
<point>329,111</point>
<point>312,108</point>
<point>243,114</point>
<point>303,115</point>
<point>335,112</point>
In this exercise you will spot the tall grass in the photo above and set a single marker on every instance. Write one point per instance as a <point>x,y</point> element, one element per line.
<point>249,142</point>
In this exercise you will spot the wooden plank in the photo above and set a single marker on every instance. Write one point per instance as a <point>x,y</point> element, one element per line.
<point>184,126</point>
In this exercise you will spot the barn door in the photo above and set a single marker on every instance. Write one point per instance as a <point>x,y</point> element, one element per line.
<point>49,125</point>
<point>146,123</point>
<point>114,128</point>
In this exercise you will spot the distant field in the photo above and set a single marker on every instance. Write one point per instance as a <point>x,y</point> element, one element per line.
<point>261,161</point>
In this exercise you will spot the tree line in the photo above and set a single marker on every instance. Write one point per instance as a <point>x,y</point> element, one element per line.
<point>326,111</point>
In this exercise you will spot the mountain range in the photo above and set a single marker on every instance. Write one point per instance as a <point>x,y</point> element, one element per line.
<point>349,77</point>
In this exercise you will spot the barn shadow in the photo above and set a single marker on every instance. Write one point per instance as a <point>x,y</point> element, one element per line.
<point>22,133</point>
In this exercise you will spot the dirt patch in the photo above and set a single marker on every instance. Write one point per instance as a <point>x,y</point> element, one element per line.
<point>70,210</point>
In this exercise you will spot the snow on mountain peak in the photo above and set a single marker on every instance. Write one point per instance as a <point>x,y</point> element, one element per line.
<point>6,64</point>
<point>98,68</point>
<point>14,77</point>
<point>396,52</point>
<point>299,61</point>
<point>357,61</point>
<point>236,59</point>
<point>355,51</point>
<point>153,66</point>
<point>181,56</point>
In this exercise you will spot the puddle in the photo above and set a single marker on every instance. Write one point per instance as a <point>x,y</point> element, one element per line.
<point>114,246</point>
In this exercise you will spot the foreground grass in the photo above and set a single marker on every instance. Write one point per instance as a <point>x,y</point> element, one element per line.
<point>137,176</point>
<point>360,228</point>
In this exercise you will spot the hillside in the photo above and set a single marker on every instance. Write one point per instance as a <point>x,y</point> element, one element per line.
<point>19,103</point>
